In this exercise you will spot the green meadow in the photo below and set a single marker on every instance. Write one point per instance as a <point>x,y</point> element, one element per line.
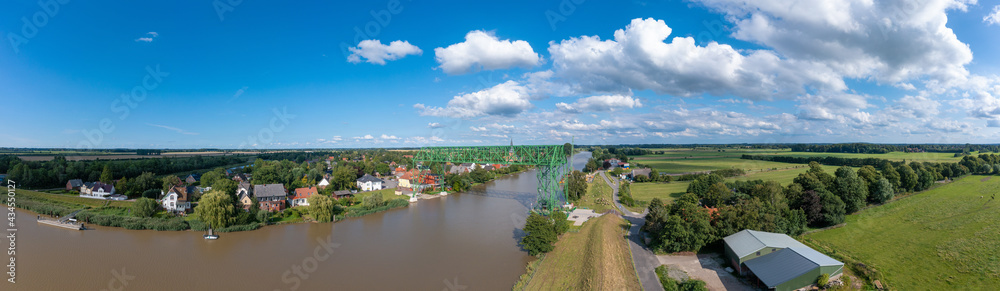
<point>947,238</point>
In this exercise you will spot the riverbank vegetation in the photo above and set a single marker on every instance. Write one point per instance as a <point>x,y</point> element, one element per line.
<point>595,258</point>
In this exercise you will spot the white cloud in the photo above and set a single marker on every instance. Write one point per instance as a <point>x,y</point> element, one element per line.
<point>178,130</point>
<point>506,99</point>
<point>600,103</point>
<point>477,129</point>
<point>436,125</point>
<point>148,37</point>
<point>993,17</point>
<point>374,52</point>
<point>841,107</point>
<point>389,137</point>
<point>639,59</point>
<point>484,51</point>
<point>889,41</point>
<point>917,106</point>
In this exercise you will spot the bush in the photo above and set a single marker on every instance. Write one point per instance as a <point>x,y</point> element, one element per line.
<point>693,285</point>
<point>669,284</point>
<point>823,280</point>
<point>245,227</point>
<point>128,222</point>
<point>362,211</point>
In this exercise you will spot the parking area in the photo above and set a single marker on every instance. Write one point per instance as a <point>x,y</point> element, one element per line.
<point>707,268</point>
<point>579,216</point>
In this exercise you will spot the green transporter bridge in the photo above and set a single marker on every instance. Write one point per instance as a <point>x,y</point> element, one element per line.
<point>551,161</point>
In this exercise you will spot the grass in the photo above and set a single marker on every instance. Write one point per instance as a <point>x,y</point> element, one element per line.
<point>598,196</point>
<point>71,199</point>
<point>387,194</point>
<point>670,191</point>
<point>680,166</point>
<point>596,258</point>
<point>941,239</point>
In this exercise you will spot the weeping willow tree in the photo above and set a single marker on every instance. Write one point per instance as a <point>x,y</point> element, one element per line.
<point>216,209</point>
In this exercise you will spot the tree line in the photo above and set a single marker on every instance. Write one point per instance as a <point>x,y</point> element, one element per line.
<point>868,148</point>
<point>56,172</point>
<point>713,209</point>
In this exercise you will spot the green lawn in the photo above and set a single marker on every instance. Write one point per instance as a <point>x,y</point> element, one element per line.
<point>71,199</point>
<point>946,238</point>
<point>673,190</point>
<point>387,194</point>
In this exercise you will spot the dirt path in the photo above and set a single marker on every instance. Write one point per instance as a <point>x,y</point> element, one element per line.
<point>705,268</point>
<point>644,259</point>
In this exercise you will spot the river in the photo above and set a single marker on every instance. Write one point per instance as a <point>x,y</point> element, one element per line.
<point>458,242</point>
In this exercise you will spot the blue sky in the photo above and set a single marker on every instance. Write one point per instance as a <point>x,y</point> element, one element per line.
<point>264,75</point>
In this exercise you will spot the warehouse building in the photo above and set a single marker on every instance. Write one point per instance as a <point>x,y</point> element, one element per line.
<point>777,260</point>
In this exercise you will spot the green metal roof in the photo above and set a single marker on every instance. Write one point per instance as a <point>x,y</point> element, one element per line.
<point>787,264</point>
<point>748,241</point>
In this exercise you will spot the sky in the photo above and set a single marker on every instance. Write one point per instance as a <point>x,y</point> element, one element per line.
<point>402,73</point>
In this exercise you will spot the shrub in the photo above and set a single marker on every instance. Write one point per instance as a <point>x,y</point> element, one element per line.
<point>245,227</point>
<point>823,280</point>
<point>669,284</point>
<point>693,285</point>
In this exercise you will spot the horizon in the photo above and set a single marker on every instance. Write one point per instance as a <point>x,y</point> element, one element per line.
<point>403,74</point>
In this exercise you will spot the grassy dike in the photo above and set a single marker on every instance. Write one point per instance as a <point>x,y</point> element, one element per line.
<point>595,258</point>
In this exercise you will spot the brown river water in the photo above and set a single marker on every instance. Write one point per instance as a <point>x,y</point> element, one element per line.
<point>458,242</point>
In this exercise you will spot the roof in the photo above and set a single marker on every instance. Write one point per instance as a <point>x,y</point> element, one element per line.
<point>779,267</point>
<point>74,182</point>
<point>182,192</point>
<point>98,186</point>
<point>303,193</point>
<point>369,178</point>
<point>269,190</point>
<point>341,192</point>
<point>748,241</point>
<point>195,176</point>
<point>643,171</point>
<point>244,185</point>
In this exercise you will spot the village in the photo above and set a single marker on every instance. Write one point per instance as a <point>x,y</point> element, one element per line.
<point>181,198</point>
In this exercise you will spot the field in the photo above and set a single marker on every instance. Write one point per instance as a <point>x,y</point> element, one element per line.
<point>598,196</point>
<point>677,161</point>
<point>596,258</point>
<point>70,199</point>
<point>673,190</point>
<point>942,239</point>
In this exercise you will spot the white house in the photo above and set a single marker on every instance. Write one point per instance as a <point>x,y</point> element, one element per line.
<point>323,183</point>
<point>369,183</point>
<point>176,200</point>
<point>97,190</point>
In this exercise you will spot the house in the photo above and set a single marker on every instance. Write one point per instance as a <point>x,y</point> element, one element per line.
<point>301,196</point>
<point>342,193</point>
<point>778,261</point>
<point>369,183</point>
<point>270,197</point>
<point>641,172</point>
<point>97,190</point>
<point>74,184</point>
<point>244,193</point>
<point>398,171</point>
<point>460,169</point>
<point>323,183</point>
<point>241,177</point>
<point>177,199</point>
<point>193,178</point>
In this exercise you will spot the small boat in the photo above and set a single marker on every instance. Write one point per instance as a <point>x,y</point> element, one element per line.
<point>210,235</point>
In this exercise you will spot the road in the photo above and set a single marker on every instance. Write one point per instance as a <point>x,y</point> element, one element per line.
<point>644,259</point>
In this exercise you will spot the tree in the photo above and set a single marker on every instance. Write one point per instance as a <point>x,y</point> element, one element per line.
<point>568,149</point>
<point>851,189</point>
<point>908,178</point>
<point>209,178</point>
<point>321,208</point>
<point>344,177</point>
<point>123,187</point>
<point>883,191</point>
<point>576,187</point>
<point>226,186</point>
<point>216,210</point>
<point>144,207</point>
<point>717,194</point>
<point>144,182</point>
<point>170,181</point>
<point>151,193</point>
<point>684,226</point>
<point>373,201</point>
<point>541,234</point>
<point>560,222</point>
<point>890,173</point>
<point>870,176</point>
<point>833,208</point>
<point>106,176</point>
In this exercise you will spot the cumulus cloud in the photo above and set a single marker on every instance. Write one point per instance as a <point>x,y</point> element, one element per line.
<point>148,37</point>
<point>889,41</point>
<point>917,106</point>
<point>374,52</point>
<point>484,51</point>
<point>639,59</point>
<point>436,125</point>
<point>840,107</point>
<point>600,103</point>
<point>505,99</point>
<point>993,17</point>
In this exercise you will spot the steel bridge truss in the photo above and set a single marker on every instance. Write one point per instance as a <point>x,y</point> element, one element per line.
<point>551,162</point>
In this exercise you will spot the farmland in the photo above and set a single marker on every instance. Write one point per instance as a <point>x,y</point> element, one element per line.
<point>941,239</point>
<point>670,191</point>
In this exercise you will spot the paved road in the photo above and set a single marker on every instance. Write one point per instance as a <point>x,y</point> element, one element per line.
<point>644,259</point>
